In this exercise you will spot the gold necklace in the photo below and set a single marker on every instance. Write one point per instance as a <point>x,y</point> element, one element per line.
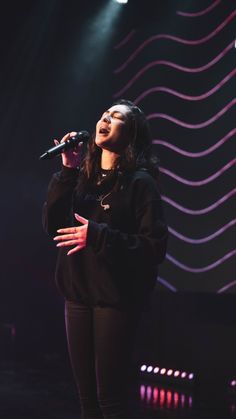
<point>105,206</point>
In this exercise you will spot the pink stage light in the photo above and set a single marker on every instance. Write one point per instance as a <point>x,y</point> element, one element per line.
<point>162,397</point>
<point>149,394</point>
<point>169,372</point>
<point>142,392</point>
<point>176,399</point>
<point>155,395</point>
<point>169,398</point>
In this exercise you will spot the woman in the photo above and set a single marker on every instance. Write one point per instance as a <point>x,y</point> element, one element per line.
<point>105,212</point>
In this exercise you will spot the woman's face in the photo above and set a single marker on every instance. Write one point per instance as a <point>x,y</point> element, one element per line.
<point>113,129</point>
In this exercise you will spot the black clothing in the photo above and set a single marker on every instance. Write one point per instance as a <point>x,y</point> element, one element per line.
<point>126,240</point>
<point>106,283</point>
<point>100,342</point>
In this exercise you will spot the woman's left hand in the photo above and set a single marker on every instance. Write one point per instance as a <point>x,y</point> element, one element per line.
<point>73,235</point>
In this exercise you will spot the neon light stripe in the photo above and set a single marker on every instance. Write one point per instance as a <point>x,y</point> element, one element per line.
<point>175,66</point>
<point>200,211</point>
<point>200,153</point>
<point>182,95</point>
<point>166,284</point>
<point>198,182</point>
<point>226,287</point>
<point>203,239</point>
<point>202,12</point>
<point>207,268</point>
<point>126,39</point>
<point>193,126</point>
<point>175,39</point>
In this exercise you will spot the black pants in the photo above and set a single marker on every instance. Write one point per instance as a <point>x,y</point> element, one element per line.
<point>100,342</point>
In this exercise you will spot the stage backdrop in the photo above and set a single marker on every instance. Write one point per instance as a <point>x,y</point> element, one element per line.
<point>178,64</point>
<point>63,62</point>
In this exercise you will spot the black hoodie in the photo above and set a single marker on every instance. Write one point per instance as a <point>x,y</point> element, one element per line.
<point>127,237</point>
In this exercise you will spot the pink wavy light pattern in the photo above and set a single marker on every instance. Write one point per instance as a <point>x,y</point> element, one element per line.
<point>200,211</point>
<point>204,268</point>
<point>182,123</point>
<point>198,182</point>
<point>203,239</point>
<point>176,66</point>
<point>182,95</point>
<point>175,39</point>
<point>200,153</point>
<point>226,287</point>
<point>201,13</point>
<point>125,40</point>
<point>193,126</point>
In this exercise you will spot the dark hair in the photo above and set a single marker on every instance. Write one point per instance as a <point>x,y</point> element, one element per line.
<point>137,154</point>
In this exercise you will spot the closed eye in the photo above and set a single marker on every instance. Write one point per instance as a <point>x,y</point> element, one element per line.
<point>118,115</point>
<point>115,114</point>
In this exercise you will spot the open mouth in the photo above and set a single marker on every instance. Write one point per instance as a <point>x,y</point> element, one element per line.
<point>104,131</point>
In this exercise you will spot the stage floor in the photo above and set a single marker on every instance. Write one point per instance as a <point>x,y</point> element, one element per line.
<point>39,393</point>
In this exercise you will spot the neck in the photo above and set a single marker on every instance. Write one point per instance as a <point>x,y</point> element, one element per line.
<point>108,159</point>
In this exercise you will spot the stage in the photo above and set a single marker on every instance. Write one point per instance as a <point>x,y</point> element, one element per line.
<point>49,393</point>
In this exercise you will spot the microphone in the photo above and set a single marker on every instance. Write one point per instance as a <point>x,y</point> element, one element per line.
<point>80,137</point>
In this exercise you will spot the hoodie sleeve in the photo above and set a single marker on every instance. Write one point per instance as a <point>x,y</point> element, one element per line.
<point>57,207</point>
<point>147,246</point>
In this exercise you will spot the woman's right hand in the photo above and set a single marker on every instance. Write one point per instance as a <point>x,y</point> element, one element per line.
<point>70,158</point>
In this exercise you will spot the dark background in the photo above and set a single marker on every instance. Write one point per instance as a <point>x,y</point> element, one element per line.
<point>58,73</point>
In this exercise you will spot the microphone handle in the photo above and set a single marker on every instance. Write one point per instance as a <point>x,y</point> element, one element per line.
<point>69,144</point>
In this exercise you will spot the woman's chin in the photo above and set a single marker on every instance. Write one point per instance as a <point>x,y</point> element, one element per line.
<point>102,141</point>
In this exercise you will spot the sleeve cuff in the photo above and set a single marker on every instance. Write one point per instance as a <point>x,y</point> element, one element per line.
<point>68,172</point>
<point>93,229</point>
<point>96,232</point>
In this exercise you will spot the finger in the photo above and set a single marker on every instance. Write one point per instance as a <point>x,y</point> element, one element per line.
<point>71,236</point>
<point>65,137</point>
<point>68,230</point>
<point>77,147</point>
<point>68,243</point>
<point>75,249</point>
<point>56,142</point>
<point>82,220</point>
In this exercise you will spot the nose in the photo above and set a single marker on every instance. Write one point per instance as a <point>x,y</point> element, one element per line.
<point>106,118</point>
